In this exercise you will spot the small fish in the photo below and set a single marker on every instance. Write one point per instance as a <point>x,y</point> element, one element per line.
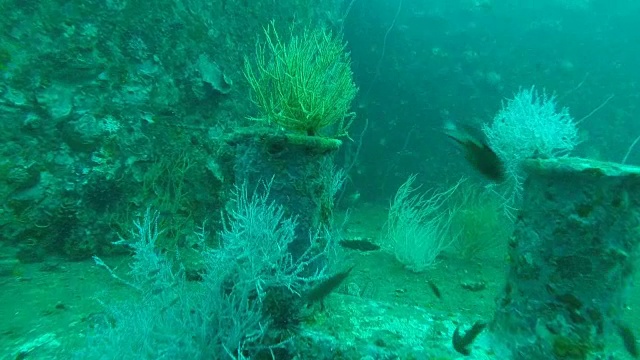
<point>434,289</point>
<point>476,150</point>
<point>157,291</point>
<point>461,343</point>
<point>629,340</point>
<point>326,287</point>
<point>570,301</point>
<point>170,304</point>
<point>359,244</point>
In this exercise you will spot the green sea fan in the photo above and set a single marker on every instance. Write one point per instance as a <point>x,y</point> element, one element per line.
<point>304,85</point>
<point>480,223</point>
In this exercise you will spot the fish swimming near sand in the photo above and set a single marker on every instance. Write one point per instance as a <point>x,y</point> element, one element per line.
<point>326,287</point>
<point>461,343</point>
<point>359,244</point>
<point>476,150</point>
<point>628,339</point>
<point>434,289</point>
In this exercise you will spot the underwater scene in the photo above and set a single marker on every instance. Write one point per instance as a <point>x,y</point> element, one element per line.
<point>326,179</point>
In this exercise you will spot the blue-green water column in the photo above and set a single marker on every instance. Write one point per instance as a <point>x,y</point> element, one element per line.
<point>302,171</point>
<point>572,257</point>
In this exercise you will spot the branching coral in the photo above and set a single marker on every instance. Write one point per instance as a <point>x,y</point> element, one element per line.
<point>305,85</point>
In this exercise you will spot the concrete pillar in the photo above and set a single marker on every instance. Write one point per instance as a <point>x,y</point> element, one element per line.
<point>302,171</point>
<point>572,257</point>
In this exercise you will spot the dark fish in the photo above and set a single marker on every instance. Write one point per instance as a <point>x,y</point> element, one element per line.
<point>170,304</point>
<point>476,150</point>
<point>629,340</point>
<point>434,289</point>
<point>157,291</point>
<point>570,301</point>
<point>359,244</point>
<point>461,343</point>
<point>326,287</point>
<point>153,273</point>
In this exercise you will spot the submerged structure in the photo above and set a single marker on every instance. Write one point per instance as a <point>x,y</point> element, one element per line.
<point>303,89</point>
<point>572,257</point>
<point>302,171</point>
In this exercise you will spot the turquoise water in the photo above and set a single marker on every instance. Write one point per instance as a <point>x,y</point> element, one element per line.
<point>113,110</point>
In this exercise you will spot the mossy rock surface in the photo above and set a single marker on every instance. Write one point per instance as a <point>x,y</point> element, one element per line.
<point>575,165</point>
<point>276,141</point>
